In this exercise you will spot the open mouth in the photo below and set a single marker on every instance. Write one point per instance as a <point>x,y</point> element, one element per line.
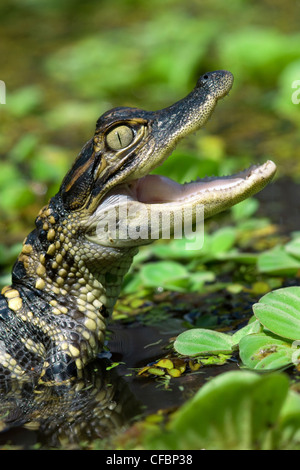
<point>156,189</point>
<point>138,212</point>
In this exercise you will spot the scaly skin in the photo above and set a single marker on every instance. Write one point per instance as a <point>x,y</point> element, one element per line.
<point>69,274</point>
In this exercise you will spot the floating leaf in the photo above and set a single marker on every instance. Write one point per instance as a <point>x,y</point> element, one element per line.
<point>164,273</point>
<point>279,311</point>
<point>174,372</point>
<point>263,352</point>
<point>293,247</point>
<point>201,341</point>
<point>222,240</point>
<point>278,261</point>
<point>155,371</point>
<point>288,435</point>
<point>165,364</point>
<point>253,327</point>
<point>236,410</point>
<point>244,209</point>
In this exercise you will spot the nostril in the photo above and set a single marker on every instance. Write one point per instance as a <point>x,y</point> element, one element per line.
<point>205,76</point>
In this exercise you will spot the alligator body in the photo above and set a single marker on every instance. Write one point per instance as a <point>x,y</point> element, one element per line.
<point>67,278</point>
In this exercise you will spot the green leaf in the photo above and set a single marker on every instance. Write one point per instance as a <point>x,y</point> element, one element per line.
<point>244,209</point>
<point>163,273</point>
<point>288,435</point>
<point>235,410</point>
<point>201,341</point>
<point>242,258</point>
<point>198,279</point>
<point>253,327</point>
<point>278,261</point>
<point>222,240</point>
<point>263,352</point>
<point>293,247</point>
<point>279,311</point>
<point>174,249</point>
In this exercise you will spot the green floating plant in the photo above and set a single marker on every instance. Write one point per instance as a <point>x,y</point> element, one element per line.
<point>201,341</point>
<point>269,342</point>
<point>279,311</point>
<point>282,259</point>
<point>262,351</point>
<point>237,410</point>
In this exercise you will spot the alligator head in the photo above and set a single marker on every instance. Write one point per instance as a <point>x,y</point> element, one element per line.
<point>124,205</point>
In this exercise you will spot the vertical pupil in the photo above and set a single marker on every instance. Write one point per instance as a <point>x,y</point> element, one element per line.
<point>119,137</point>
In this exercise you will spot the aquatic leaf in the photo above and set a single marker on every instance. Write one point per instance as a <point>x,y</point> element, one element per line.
<point>163,273</point>
<point>175,249</point>
<point>288,435</point>
<point>113,365</point>
<point>244,209</point>
<point>278,261</point>
<point>222,240</point>
<point>241,258</point>
<point>235,410</point>
<point>201,341</point>
<point>214,360</point>
<point>198,279</point>
<point>253,327</point>
<point>293,247</point>
<point>264,352</point>
<point>155,371</point>
<point>279,311</point>
<point>194,365</point>
<point>165,364</point>
<point>174,372</point>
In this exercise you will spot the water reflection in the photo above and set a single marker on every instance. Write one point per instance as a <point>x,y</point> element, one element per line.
<point>96,406</point>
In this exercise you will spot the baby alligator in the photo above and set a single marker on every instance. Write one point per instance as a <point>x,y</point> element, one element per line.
<point>67,278</point>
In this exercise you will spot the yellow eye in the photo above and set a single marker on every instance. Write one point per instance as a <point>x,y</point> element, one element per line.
<point>119,137</point>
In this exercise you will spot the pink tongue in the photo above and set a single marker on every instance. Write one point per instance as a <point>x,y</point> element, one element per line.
<point>155,188</point>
